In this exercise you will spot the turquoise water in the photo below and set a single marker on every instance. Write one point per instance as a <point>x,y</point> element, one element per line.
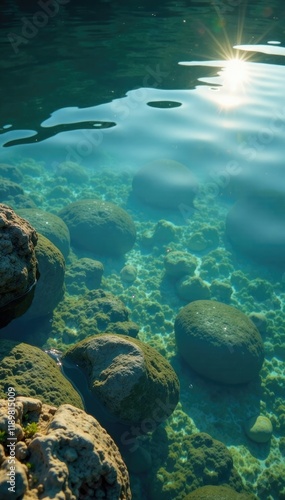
<point>112,86</point>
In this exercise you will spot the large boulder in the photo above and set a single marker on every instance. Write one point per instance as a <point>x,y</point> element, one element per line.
<point>165,184</point>
<point>132,380</point>
<point>69,453</point>
<point>49,225</point>
<point>255,226</point>
<point>18,265</point>
<point>50,288</point>
<point>219,342</point>
<point>31,372</point>
<point>100,227</point>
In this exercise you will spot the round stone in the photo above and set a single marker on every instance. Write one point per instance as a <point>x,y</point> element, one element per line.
<point>49,225</point>
<point>100,227</point>
<point>259,429</point>
<point>219,342</point>
<point>165,184</point>
<point>133,382</point>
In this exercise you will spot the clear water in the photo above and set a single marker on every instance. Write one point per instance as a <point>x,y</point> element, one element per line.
<point>114,85</point>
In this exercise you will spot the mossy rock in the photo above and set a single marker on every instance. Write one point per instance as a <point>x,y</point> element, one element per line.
<point>31,372</point>
<point>178,264</point>
<point>100,227</point>
<point>219,342</point>
<point>50,287</point>
<point>132,380</point>
<point>208,462</point>
<point>259,429</point>
<point>49,225</point>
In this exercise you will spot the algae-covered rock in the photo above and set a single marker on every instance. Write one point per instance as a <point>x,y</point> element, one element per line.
<point>191,288</point>
<point>95,311</point>
<point>50,287</point>
<point>199,458</point>
<point>49,225</point>
<point>10,172</point>
<point>219,342</point>
<point>218,493</point>
<point>178,264</point>
<point>207,237</point>
<point>221,291</point>
<point>258,429</point>
<point>165,184</point>
<point>82,275</point>
<point>131,379</point>
<point>31,372</point>
<point>128,273</point>
<point>68,455</point>
<point>72,172</point>
<point>100,227</point>
<point>18,264</point>
<point>9,189</point>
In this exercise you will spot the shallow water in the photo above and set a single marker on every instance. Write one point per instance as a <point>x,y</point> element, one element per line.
<point>112,86</point>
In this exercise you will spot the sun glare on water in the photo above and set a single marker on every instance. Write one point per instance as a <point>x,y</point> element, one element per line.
<point>233,76</point>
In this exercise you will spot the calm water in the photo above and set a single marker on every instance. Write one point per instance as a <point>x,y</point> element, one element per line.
<point>114,85</point>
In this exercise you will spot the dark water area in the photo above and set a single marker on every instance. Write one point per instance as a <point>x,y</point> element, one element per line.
<point>106,87</point>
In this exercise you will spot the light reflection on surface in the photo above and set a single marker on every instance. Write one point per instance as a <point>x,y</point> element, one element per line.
<point>229,85</point>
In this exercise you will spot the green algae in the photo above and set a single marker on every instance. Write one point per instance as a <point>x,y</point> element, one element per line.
<point>31,372</point>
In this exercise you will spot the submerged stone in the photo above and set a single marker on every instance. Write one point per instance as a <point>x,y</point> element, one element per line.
<point>135,383</point>
<point>50,287</point>
<point>259,429</point>
<point>49,225</point>
<point>100,227</point>
<point>165,184</point>
<point>219,342</point>
<point>32,373</point>
<point>18,265</point>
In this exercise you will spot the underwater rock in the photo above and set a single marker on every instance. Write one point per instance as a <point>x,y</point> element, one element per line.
<point>31,372</point>
<point>208,462</point>
<point>221,291</point>
<point>100,227</point>
<point>190,288</point>
<point>165,184</point>
<point>259,429</point>
<point>255,226</point>
<point>10,172</point>
<point>219,342</point>
<point>178,264</point>
<point>206,238</point>
<point>96,311</point>
<point>50,287</point>
<point>132,380</point>
<point>128,274</point>
<point>72,172</point>
<point>9,189</point>
<point>83,274</point>
<point>69,455</point>
<point>18,265</point>
<point>218,493</point>
<point>49,225</point>
<point>164,232</point>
